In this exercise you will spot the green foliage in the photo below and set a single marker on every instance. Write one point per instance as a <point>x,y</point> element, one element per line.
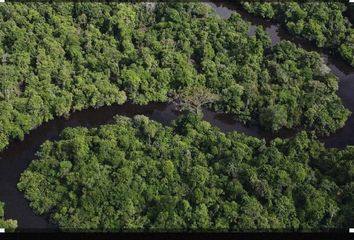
<point>136,174</point>
<point>323,23</point>
<point>9,225</point>
<point>63,57</point>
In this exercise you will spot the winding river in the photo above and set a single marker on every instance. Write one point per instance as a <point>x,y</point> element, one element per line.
<point>343,71</point>
<point>16,158</point>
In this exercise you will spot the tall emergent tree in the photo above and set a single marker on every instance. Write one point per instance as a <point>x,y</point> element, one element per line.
<point>192,99</point>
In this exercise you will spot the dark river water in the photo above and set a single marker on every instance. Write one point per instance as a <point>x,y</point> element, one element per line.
<point>16,158</point>
<point>350,13</point>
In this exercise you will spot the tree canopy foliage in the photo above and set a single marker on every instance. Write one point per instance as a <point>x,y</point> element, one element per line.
<point>62,57</point>
<point>323,23</point>
<point>9,225</point>
<point>136,174</point>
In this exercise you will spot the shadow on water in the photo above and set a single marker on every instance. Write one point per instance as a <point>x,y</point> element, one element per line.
<point>15,159</point>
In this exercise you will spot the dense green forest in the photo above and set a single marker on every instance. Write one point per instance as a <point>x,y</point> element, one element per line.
<point>63,57</point>
<point>323,23</point>
<point>10,225</point>
<point>137,174</point>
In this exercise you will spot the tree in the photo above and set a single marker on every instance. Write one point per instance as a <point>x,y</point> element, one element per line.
<point>275,117</point>
<point>9,225</point>
<point>9,86</point>
<point>194,98</point>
